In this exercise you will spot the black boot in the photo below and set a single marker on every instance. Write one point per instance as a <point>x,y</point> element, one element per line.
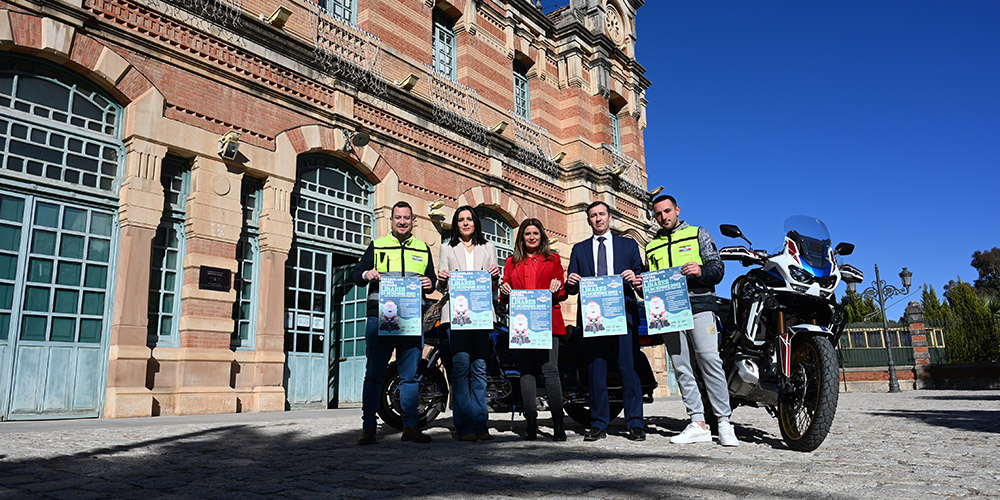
<point>531,433</point>
<point>558,430</point>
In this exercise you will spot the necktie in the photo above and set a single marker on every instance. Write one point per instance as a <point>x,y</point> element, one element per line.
<point>602,257</point>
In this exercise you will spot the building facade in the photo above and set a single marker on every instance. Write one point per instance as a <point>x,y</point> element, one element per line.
<point>186,185</point>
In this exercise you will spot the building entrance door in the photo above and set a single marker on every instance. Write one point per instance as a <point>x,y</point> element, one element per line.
<point>55,298</point>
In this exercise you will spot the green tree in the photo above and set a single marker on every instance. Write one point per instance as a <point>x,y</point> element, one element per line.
<point>973,336</point>
<point>988,265</point>
<point>934,309</point>
<point>856,309</point>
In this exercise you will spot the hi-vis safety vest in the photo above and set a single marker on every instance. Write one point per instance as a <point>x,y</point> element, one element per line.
<point>675,249</point>
<point>409,258</point>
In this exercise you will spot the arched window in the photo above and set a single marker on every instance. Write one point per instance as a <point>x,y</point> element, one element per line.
<point>59,129</point>
<point>334,204</point>
<point>497,230</point>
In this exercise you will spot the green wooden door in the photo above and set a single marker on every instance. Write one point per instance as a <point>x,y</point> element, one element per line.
<point>55,278</point>
<point>348,361</point>
<point>307,313</point>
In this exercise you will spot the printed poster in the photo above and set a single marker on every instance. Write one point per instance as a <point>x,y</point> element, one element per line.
<point>530,319</point>
<point>399,306</point>
<point>471,300</point>
<point>603,301</point>
<point>668,307</point>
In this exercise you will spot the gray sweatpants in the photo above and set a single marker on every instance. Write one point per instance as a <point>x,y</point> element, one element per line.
<point>704,340</point>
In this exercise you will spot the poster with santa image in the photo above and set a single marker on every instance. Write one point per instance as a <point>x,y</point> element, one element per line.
<point>603,301</point>
<point>530,319</point>
<point>471,300</point>
<point>399,306</point>
<point>668,308</point>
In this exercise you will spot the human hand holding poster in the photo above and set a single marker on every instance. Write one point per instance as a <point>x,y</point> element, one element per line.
<point>530,319</point>
<point>471,300</point>
<point>668,308</point>
<point>399,306</point>
<point>603,301</point>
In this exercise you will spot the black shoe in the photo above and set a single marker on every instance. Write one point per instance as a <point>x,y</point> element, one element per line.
<point>414,435</point>
<point>558,431</point>
<point>367,437</point>
<point>636,434</point>
<point>593,434</point>
<point>531,433</point>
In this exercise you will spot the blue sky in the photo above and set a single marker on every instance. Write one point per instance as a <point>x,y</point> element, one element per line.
<point>880,118</point>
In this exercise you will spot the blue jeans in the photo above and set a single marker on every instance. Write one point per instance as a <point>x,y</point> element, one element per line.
<point>378,350</point>
<point>468,380</point>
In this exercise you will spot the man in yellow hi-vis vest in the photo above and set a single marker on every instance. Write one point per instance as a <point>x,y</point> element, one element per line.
<point>395,254</point>
<point>679,244</point>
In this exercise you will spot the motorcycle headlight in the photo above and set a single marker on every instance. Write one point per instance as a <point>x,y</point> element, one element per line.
<point>800,275</point>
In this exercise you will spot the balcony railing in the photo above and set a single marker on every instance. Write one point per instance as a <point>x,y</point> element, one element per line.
<point>347,51</point>
<point>533,145</point>
<point>456,106</point>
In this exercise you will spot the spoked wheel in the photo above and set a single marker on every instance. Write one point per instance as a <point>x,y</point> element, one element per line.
<point>806,414</point>
<point>430,402</point>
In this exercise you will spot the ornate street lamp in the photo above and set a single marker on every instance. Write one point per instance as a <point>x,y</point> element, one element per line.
<point>882,292</point>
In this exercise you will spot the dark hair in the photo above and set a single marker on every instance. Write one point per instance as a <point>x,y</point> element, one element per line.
<point>401,204</point>
<point>477,233</point>
<point>597,204</point>
<point>521,253</point>
<point>665,197</point>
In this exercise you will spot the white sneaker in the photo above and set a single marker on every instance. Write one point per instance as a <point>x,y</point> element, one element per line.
<point>727,435</point>
<point>693,433</point>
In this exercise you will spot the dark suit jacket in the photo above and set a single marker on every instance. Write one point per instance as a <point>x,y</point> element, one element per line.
<point>626,250</point>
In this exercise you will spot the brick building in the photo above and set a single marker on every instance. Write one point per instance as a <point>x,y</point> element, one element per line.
<point>183,189</point>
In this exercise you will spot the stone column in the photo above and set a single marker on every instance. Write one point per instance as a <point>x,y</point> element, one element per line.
<point>140,208</point>
<point>921,355</point>
<point>195,377</point>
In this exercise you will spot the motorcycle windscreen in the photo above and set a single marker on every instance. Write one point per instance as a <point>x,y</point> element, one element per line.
<point>813,240</point>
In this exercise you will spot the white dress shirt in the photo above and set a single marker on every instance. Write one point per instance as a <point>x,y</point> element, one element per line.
<point>609,248</point>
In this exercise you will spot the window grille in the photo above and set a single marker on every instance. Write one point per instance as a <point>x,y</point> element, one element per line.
<point>496,229</point>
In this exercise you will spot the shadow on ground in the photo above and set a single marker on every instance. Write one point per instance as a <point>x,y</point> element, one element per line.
<point>248,462</point>
<point>966,420</point>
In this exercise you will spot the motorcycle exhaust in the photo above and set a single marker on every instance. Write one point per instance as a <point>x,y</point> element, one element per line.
<point>745,383</point>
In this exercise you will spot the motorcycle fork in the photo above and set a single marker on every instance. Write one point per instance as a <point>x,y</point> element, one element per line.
<point>784,346</point>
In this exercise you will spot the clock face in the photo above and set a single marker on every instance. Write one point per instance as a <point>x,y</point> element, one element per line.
<point>613,24</point>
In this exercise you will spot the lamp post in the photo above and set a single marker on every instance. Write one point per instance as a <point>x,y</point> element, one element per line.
<point>882,292</point>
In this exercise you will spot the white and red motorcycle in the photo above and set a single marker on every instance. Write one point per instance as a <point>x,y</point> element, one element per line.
<point>781,327</point>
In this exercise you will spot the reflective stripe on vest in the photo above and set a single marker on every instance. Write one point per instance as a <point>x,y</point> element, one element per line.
<point>675,249</point>
<point>409,257</point>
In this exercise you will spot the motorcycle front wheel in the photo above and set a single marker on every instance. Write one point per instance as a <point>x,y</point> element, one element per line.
<point>806,414</point>
<point>431,400</point>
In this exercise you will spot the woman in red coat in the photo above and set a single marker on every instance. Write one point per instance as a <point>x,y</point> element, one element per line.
<point>534,266</point>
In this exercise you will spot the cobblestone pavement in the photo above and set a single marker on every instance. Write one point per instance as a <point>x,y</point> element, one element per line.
<point>918,444</point>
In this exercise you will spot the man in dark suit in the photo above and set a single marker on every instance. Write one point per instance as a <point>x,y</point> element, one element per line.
<point>605,254</point>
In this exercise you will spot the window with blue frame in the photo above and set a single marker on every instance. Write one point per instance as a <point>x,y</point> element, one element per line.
<point>166,260</point>
<point>247,276</point>
<point>616,135</point>
<point>497,230</point>
<point>522,96</point>
<point>444,45</point>
<point>344,10</point>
